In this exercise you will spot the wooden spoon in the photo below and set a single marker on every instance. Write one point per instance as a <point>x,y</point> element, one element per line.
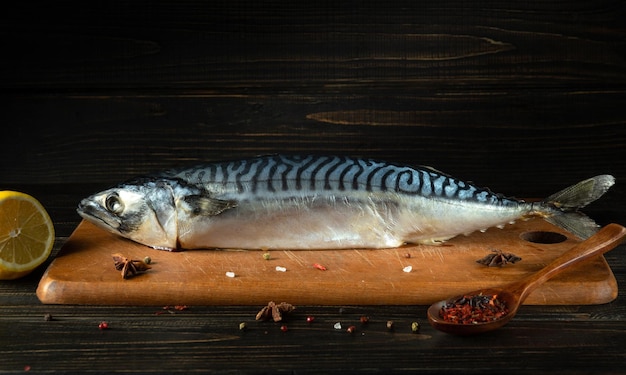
<point>514,294</point>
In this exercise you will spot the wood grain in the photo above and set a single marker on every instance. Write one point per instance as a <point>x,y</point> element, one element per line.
<point>83,273</point>
<point>105,93</point>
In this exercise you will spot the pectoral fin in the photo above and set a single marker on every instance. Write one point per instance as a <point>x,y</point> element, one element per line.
<point>206,206</point>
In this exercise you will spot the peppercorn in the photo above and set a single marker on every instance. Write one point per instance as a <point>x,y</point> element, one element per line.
<point>147,260</point>
<point>415,327</point>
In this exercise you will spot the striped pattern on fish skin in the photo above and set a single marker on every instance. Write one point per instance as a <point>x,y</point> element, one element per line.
<point>288,175</point>
<point>318,202</point>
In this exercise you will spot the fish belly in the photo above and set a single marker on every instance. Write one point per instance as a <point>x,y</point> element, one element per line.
<point>329,223</point>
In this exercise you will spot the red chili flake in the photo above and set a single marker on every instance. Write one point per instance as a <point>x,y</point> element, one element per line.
<point>284,328</point>
<point>310,319</point>
<point>319,266</point>
<point>27,368</point>
<point>364,319</point>
<point>170,309</point>
<point>351,329</point>
<point>473,309</point>
<point>103,325</point>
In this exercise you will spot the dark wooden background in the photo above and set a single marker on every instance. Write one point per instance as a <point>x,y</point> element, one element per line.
<point>523,97</point>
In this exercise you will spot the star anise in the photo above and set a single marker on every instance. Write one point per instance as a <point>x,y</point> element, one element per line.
<point>498,258</point>
<point>129,267</point>
<point>274,311</point>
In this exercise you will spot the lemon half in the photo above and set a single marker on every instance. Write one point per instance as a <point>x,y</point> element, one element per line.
<point>26,234</point>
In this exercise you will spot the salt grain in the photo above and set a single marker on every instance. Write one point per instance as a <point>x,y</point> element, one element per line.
<point>407,269</point>
<point>230,274</point>
<point>281,269</point>
<point>337,325</point>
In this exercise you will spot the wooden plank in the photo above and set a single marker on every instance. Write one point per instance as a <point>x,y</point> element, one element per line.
<point>83,273</point>
<point>185,44</point>
<point>528,138</point>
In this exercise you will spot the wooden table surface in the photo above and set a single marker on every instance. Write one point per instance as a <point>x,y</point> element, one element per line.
<point>523,97</point>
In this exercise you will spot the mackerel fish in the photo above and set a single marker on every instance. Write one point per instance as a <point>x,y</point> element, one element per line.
<point>318,202</point>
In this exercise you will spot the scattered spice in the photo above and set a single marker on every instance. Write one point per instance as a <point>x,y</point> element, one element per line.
<point>310,319</point>
<point>243,326</point>
<point>170,309</point>
<point>337,325</point>
<point>364,319</point>
<point>230,274</point>
<point>129,267</point>
<point>407,269</point>
<point>475,309</point>
<point>48,317</point>
<point>164,310</point>
<point>498,258</point>
<point>147,260</point>
<point>267,256</point>
<point>390,325</point>
<point>351,329</point>
<point>103,325</point>
<point>415,327</point>
<point>274,311</point>
<point>319,266</point>
<point>407,255</point>
<point>281,269</point>
<point>284,328</point>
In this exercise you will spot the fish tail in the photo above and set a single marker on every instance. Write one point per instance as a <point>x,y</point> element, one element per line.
<point>561,208</point>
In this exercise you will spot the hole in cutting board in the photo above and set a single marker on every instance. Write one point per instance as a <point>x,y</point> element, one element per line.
<point>543,237</point>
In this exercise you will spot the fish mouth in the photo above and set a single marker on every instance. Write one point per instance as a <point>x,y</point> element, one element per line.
<point>92,212</point>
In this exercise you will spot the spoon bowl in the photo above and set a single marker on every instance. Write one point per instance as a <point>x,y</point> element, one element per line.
<point>514,294</point>
<point>461,329</point>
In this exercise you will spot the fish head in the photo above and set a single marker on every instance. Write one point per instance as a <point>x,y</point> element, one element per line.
<point>142,210</point>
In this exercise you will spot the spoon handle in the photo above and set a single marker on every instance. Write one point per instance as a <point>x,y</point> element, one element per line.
<point>604,240</point>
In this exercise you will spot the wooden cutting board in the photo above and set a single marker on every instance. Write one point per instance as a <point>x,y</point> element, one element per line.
<point>84,272</point>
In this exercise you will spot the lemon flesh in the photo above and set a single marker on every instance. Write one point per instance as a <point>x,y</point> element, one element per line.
<point>26,234</point>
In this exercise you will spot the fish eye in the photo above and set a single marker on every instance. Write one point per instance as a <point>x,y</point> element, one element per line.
<point>114,204</point>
